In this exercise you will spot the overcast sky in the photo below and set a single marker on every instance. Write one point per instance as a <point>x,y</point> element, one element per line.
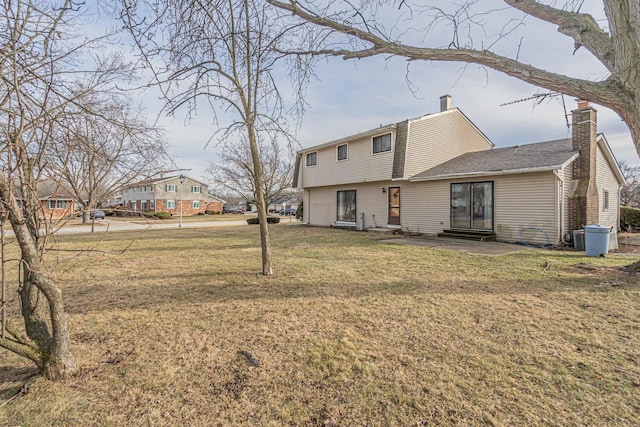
<point>356,95</point>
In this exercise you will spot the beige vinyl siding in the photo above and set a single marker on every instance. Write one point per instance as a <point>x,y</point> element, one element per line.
<point>427,207</point>
<point>527,200</point>
<point>523,200</point>
<point>361,165</point>
<point>369,199</point>
<point>306,206</point>
<point>606,180</point>
<point>436,138</point>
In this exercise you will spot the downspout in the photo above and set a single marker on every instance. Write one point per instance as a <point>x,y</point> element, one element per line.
<point>618,207</point>
<point>561,182</point>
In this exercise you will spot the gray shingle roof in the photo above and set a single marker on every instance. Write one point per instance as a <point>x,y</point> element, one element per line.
<point>546,155</point>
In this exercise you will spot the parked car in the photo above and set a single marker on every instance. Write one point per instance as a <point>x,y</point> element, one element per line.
<point>96,214</point>
<point>230,210</point>
<point>287,212</point>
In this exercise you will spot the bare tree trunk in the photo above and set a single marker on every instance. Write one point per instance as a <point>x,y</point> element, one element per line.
<point>56,360</point>
<point>265,242</point>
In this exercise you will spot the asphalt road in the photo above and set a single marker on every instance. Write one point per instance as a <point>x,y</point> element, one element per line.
<point>111,225</point>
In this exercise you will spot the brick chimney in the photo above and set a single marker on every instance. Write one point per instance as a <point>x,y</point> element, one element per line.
<point>445,102</point>
<point>583,200</point>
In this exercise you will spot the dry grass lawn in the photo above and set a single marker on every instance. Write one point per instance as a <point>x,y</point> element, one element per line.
<point>350,331</point>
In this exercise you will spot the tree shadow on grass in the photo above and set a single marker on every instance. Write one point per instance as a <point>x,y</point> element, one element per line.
<point>12,378</point>
<point>159,290</point>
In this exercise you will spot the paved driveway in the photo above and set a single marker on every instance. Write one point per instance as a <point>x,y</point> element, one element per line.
<point>469,246</point>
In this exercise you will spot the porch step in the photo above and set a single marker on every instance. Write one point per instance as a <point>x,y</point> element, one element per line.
<point>480,236</point>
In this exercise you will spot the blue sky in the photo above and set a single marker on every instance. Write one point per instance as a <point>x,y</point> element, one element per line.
<point>356,95</point>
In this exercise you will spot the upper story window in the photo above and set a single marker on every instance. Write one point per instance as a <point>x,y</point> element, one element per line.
<point>343,152</point>
<point>312,158</point>
<point>196,189</point>
<point>172,188</point>
<point>143,188</point>
<point>605,201</point>
<point>382,143</point>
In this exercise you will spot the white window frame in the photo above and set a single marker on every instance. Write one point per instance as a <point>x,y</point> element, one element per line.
<point>172,203</point>
<point>338,159</point>
<point>195,204</point>
<point>374,152</point>
<point>306,159</point>
<point>196,189</point>
<point>57,204</point>
<point>605,200</point>
<point>171,188</point>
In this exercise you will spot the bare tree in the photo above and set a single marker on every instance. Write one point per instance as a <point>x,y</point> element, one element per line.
<point>614,41</point>
<point>99,152</point>
<point>43,70</point>
<point>234,172</point>
<point>630,193</point>
<point>224,52</point>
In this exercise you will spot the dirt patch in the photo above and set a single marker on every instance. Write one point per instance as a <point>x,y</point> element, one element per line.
<point>467,246</point>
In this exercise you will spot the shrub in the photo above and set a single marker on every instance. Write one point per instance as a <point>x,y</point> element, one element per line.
<point>299,211</point>
<point>159,215</point>
<point>270,220</point>
<point>212,212</point>
<point>629,218</point>
<point>200,213</point>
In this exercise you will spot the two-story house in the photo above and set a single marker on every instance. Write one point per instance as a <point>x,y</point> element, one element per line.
<point>168,193</point>
<point>439,172</point>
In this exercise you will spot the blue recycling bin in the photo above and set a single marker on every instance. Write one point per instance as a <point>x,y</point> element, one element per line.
<point>596,239</point>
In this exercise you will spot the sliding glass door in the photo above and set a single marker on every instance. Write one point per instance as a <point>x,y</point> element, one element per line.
<point>472,205</point>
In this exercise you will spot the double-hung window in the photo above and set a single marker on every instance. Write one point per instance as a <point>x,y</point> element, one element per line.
<point>343,152</point>
<point>170,188</point>
<point>196,189</point>
<point>171,204</point>
<point>196,204</point>
<point>312,158</point>
<point>346,206</point>
<point>381,143</point>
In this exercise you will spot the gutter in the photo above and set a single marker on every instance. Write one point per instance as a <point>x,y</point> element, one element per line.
<point>489,173</point>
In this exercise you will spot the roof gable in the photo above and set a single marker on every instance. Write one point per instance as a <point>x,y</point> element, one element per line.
<point>611,159</point>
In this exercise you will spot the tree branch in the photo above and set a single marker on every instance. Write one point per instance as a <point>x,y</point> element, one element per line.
<point>581,27</point>
<point>607,92</point>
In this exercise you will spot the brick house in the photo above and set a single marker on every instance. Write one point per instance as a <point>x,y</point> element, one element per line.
<point>167,193</point>
<point>56,200</point>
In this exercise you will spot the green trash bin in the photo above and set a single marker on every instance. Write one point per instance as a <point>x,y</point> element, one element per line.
<point>596,239</point>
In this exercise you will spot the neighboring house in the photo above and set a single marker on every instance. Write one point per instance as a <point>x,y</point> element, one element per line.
<point>283,203</point>
<point>166,194</point>
<point>439,172</point>
<point>56,199</point>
